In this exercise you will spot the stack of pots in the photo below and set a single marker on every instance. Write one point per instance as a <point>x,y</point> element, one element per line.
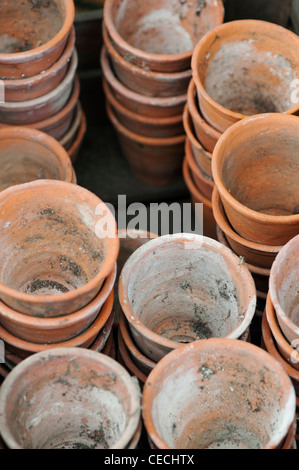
<point>39,87</point>
<point>146,64</point>
<point>241,68</point>
<point>58,269</point>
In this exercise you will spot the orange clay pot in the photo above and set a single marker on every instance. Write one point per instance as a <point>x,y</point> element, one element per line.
<point>201,156</point>
<point>255,168</point>
<point>254,253</point>
<point>39,85</point>
<point>28,155</point>
<point>139,103</point>
<point>127,362</point>
<point>283,288</point>
<point>143,125</point>
<point>143,81</point>
<point>75,148</point>
<point>206,134</point>
<point>243,68</point>
<point>202,181</point>
<point>55,255</point>
<point>183,406</point>
<point>170,288</point>
<point>86,399</point>
<point>33,37</point>
<point>152,160</point>
<point>68,138</point>
<point>160,35</point>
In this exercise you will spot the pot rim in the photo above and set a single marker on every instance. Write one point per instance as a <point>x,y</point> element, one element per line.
<point>134,369</point>
<point>75,126</point>
<point>192,188</point>
<point>195,168</point>
<point>79,137</point>
<point>227,345</point>
<point>187,121</point>
<point>28,364</point>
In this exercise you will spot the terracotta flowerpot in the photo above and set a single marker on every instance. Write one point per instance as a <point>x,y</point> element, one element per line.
<point>38,109</point>
<point>160,35</point>
<point>237,69</point>
<point>33,36</point>
<point>143,125</point>
<point>139,103</point>
<point>201,156</point>
<point>68,138</point>
<point>136,438</point>
<point>39,85</point>
<point>127,362</point>
<point>255,168</point>
<point>206,134</point>
<point>146,82</point>
<point>256,254</point>
<point>183,407</point>
<point>171,287</point>
<point>28,155</point>
<point>283,288</point>
<point>75,148</point>
<point>154,161</point>
<point>55,255</point>
<point>202,181</point>
<point>86,399</point>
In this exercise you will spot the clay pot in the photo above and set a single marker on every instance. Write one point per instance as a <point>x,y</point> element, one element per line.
<point>152,160</point>
<point>283,288</point>
<point>160,35</point>
<point>75,148</point>
<point>38,109</point>
<point>170,288</point>
<point>67,140</point>
<point>139,103</point>
<point>127,362</point>
<point>237,71</point>
<point>99,402</point>
<point>183,406</point>
<point>33,36</point>
<point>261,203</point>
<point>200,155</point>
<point>206,134</point>
<point>146,82</point>
<point>202,181</point>
<point>256,254</point>
<point>143,125</point>
<point>28,155</point>
<point>55,255</point>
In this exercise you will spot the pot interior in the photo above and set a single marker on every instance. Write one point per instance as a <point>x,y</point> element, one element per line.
<point>29,24</point>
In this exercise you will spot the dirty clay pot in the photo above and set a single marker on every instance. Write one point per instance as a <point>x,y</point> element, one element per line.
<point>139,103</point>
<point>143,125</point>
<point>152,160</point>
<point>202,181</point>
<point>101,404</point>
<point>160,35</point>
<point>55,255</point>
<point>206,134</point>
<point>256,254</point>
<point>67,140</point>
<point>33,37</point>
<point>27,155</point>
<point>243,68</point>
<point>183,406</point>
<point>283,288</point>
<point>75,148</point>
<point>143,81</point>
<point>128,363</point>
<point>38,109</point>
<point>255,168</point>
<point>38,85</point>
<point>170,288</point>
<point>208,221</point>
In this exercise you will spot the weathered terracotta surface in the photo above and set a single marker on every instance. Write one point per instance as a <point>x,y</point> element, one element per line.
<point>75,148</point>
<point>171,287</point>
<point>74,399</point>
<point>283,288</point>
<point>255,168</point>
<point>128,363</point>
<point>69,137</point>
<point>55,253</point>
<point>202,181</point>
<point>33,36</point>
<point>183,406</point>
<point>243,68</point>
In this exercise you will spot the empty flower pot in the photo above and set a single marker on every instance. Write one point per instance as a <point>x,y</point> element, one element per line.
<point>203,181</point>
<point>67,140</point>
<point>255,168</point>
<point>55,254</point>
<point>69,398</point>
<point>243,68</point>
<point>75,148</point>
<point>171,288</point>
<point>139,103</point>
<point>160,35</point>
<point>33,35</point>
<point>283,288</point>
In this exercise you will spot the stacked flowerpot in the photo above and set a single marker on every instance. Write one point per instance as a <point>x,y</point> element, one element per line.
<point>38,64</point>
<point>146,64</point>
